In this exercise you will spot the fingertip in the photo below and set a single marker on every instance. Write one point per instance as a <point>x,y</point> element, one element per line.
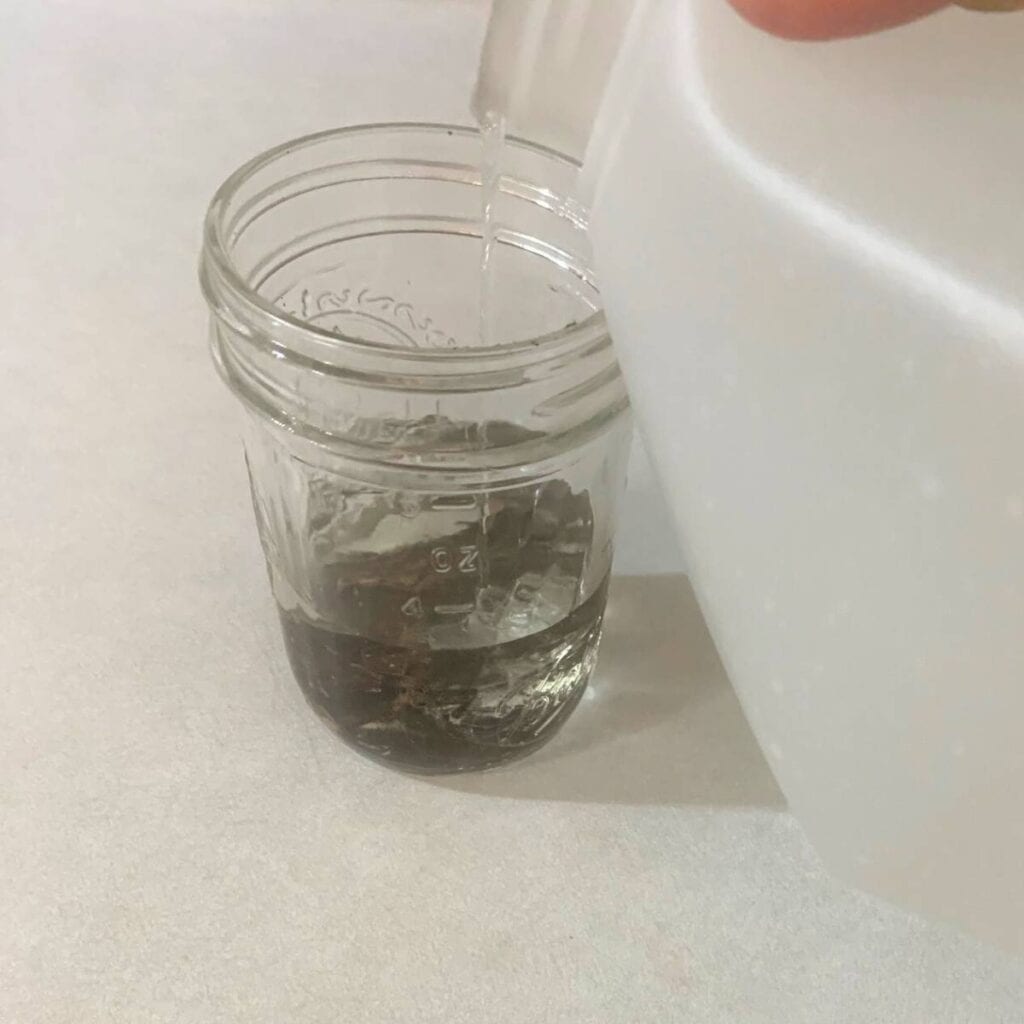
<point>831,19</point>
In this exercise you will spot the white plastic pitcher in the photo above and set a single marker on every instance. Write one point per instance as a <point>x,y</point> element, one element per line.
<point>812,259</point>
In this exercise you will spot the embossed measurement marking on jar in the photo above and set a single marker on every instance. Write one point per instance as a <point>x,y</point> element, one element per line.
<point>454,609</point>
<point>465,559</point>
<point>447,502</point>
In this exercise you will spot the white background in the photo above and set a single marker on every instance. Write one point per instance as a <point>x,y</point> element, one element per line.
<point>179,839</point>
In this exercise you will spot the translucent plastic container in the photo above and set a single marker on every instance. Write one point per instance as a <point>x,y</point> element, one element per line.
<point>811,260</point>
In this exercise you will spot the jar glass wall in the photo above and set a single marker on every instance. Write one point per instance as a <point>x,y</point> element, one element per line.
<point>436,508</point>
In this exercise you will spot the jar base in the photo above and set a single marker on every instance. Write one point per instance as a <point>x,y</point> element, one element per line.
<point>432,711</point>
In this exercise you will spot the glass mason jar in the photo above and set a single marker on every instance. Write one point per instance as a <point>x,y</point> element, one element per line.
<point>436,507</point>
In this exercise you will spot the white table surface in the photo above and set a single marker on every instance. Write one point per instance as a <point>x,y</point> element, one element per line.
<point>180,840</point>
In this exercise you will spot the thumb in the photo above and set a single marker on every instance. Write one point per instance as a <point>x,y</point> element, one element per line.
<point>828,19</point>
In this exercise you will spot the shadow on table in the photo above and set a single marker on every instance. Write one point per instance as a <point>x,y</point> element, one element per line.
<point>660,723</point>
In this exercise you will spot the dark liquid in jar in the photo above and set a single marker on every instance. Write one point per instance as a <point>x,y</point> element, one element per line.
<point>446,710</point>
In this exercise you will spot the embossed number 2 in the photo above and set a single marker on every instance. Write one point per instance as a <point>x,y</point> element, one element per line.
<point>470,558</point>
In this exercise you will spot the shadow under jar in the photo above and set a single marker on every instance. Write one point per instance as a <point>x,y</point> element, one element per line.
<point>436,508</point>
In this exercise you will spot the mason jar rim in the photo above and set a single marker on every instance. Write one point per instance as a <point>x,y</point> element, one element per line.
<point>559,345</point>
